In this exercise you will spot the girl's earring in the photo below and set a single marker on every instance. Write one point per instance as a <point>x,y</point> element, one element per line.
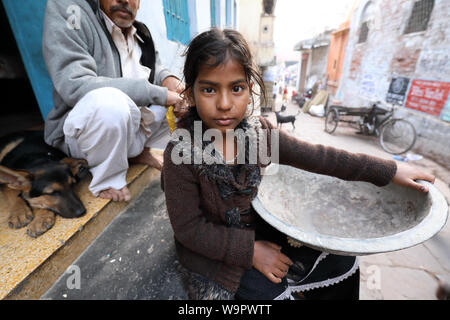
<point>189,98</point>
<point>250,107</point>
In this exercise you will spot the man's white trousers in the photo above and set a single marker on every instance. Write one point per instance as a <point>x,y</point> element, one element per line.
<point>105,127</point>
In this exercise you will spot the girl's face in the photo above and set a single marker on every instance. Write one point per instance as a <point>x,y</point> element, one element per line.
<point>221,95</point>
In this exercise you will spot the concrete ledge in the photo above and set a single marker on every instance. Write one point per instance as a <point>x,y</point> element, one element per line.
<point>134,258</point>
<point>28,267</point>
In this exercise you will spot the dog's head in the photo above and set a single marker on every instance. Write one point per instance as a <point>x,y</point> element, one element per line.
<point>50,187</point>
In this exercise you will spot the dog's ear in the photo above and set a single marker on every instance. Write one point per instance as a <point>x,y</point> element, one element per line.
<point>78,167</point>
<point>16,179</point>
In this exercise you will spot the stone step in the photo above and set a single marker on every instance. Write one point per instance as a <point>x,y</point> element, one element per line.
<point>28,267</point>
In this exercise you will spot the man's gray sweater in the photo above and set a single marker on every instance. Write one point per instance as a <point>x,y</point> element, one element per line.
<point>81,57</point>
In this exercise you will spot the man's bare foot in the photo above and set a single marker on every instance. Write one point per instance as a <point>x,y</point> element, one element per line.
<point>116,195</point>
<point>146,157</point>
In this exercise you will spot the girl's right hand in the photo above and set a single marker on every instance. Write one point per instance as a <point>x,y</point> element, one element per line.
<point>268,259</point>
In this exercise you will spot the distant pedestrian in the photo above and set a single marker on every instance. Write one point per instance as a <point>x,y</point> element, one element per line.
<point>274,91</point>
<point>285,95</point>
<point>316,87</point>
<point>293,94</point>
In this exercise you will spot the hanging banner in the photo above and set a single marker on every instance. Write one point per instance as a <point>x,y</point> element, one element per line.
<point>367,87</point>
<point>428,96</point>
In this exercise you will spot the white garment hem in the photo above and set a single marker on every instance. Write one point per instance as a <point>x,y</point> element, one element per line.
<point>287,294</point>
<point>117,182</point>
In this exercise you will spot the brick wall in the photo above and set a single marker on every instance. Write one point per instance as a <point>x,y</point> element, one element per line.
<point>370,66</point>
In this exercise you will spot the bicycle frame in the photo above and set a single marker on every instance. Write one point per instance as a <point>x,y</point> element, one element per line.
<point>374,120</point>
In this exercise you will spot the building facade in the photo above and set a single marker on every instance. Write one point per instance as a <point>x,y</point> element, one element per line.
<point>173,23</point>
<point>398,52</point>
<point>256,23</point>
<point>313,62</point>
<point>336,56</point>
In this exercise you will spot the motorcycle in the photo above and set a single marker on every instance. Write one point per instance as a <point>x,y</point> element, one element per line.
<point>301,99</point>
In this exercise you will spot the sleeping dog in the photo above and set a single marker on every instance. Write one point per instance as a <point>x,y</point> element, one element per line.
<point>37,182</point>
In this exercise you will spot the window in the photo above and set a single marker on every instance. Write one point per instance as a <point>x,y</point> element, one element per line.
<point>177,20</point>
<point>420,16</point>
<point>366,22</point>
<point>269,6</point>
<point>213,13</point>
<point>234,14</point>
<point>364,32</point>
<point>228,13</point>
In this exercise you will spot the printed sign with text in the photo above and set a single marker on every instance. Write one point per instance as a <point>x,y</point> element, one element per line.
<point>428,96</point>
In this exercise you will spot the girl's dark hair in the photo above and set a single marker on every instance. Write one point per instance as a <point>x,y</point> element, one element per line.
<point>215,47</point>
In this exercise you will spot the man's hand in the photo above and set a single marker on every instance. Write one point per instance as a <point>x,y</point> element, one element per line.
<point>176,87</point>
<point>268,259</point>
<point>173,99</point>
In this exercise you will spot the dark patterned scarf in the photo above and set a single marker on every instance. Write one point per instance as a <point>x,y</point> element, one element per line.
<point>230,179</point>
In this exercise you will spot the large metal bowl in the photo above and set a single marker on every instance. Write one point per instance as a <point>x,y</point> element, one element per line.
<point>348,218</point>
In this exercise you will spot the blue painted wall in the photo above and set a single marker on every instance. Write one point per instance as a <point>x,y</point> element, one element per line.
<point>177,20</point>
<point>26,19</point>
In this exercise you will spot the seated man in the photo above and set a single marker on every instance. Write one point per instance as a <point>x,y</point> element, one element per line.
<point>110,92</point>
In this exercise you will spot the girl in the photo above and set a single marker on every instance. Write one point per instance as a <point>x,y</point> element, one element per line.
<point>227,251</point>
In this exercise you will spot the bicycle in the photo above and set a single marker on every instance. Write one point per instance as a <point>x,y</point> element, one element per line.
<point>396,135</point>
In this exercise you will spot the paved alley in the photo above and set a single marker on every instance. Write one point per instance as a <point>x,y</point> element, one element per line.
<point>407,274</point>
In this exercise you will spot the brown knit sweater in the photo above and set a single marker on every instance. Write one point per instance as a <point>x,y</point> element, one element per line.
<point>206,244</point>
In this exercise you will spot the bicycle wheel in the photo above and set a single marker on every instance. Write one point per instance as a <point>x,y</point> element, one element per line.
<point>331,120</point>
<point>397,136</point>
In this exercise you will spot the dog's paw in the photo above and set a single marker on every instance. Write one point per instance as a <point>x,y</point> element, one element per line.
<point>20,218</point>
<point>42,222</point>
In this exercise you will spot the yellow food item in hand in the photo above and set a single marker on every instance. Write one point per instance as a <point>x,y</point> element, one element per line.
<point>171,119</point>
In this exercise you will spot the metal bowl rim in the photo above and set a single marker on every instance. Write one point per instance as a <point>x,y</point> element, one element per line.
<point>433,222</point>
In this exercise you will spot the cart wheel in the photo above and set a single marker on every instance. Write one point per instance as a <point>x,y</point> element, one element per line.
<point>331,120</point>
<point>397,136</point>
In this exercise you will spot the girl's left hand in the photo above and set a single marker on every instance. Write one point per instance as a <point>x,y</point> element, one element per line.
<point>180,109</point>
<point>406,175</point>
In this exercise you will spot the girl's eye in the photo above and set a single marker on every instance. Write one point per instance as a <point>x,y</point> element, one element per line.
<point>208,90</point>
<point>237,89</point>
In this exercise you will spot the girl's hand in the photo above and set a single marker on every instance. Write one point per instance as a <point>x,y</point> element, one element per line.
<point>180,109</point>
<point>268,259</point>
<point>406,175</point>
